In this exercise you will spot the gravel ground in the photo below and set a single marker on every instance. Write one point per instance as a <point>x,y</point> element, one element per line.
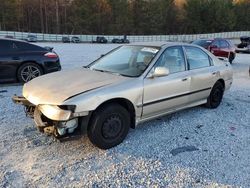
<point>197,147</point>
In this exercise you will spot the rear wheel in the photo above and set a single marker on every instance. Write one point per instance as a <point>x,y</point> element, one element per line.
<point>28,71</point>
<point>215,96</point>
<point>109,126</point>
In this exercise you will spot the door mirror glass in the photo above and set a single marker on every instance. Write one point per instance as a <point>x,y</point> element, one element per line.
<point>159,72</point>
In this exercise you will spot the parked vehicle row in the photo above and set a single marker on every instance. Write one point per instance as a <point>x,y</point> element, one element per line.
<point>75,39</point>
<point>134,83</point>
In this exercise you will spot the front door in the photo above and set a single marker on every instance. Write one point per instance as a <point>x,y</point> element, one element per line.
<point>163,94</point>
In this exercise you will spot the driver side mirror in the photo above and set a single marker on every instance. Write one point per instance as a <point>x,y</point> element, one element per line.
<point>159,72</point>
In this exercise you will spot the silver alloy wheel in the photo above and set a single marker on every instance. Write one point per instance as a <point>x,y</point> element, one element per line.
<point>29,72</point>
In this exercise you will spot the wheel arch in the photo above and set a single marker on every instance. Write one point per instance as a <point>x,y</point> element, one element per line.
<point>222,82</point>
<point>127,104</point>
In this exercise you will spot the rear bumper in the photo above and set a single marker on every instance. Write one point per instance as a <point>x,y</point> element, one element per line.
<point>51,66</point>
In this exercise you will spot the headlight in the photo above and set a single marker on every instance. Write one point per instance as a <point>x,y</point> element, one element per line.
<point>55,113</point>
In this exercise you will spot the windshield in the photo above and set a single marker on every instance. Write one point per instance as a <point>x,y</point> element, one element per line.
<point>129,61</point>
<point>203,43</point>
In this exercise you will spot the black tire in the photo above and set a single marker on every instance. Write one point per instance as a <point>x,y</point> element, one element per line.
<point>215,96</point>
<point>28,71</point>
<point>231,58</point>
<point>109,126</point>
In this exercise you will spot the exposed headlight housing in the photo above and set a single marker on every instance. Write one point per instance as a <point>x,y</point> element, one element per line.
<point>55,113</point>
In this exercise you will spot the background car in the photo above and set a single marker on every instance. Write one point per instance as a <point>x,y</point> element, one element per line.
<point>22,61</point>
<point>75,40</point>
<point>100,40</point>
<point>65,39</point>
<point>244,46</point>
<point>31,38</point>
<point>120,41</point>
<point>219,47</point>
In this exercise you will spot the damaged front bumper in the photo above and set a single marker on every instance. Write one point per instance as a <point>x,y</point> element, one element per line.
<point>53,112</point>
<point>59,121</point>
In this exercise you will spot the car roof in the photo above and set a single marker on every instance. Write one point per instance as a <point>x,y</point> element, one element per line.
<point>212,39</point>
<point>206,39</point>
<point>157,44</point>
<point>8,39</point>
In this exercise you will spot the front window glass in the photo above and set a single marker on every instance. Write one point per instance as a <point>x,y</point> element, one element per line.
<point>129,61</point>
<point>216,43</point>
<point>224,44</point>
<point>173,59</point>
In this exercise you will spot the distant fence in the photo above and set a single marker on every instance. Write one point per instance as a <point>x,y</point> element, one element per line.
<point>132,38</point>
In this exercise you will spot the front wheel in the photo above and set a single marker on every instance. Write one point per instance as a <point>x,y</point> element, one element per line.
<point>109,126</point>
<point>215,96</point>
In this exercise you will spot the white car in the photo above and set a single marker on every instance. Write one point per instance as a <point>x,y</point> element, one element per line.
<point>129,85</point>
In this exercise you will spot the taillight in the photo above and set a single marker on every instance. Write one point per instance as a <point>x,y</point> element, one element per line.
<point>51,55</point>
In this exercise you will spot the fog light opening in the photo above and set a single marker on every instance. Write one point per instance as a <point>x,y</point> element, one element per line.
<point>67,127</point>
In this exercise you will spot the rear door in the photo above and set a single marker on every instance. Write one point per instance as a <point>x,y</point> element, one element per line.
<point>202,72</point>
<point>163,94</point>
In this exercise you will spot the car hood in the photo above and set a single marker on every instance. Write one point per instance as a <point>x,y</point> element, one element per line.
<point>57,87</point>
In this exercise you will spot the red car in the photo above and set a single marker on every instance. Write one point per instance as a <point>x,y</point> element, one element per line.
<point>219,47</point>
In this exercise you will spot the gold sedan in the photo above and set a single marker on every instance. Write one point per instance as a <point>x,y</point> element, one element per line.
<point>129,85</point>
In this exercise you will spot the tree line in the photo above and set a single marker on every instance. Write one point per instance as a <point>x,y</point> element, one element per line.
<point>120,17</point>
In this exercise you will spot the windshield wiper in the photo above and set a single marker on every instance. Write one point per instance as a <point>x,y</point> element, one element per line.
<point>115,73</point>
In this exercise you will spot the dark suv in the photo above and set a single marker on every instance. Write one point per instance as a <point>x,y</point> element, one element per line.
<point>22,61</point>
<point>219,47</point>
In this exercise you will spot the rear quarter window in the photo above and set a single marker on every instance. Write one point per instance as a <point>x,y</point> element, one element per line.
<point>24,46</point>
